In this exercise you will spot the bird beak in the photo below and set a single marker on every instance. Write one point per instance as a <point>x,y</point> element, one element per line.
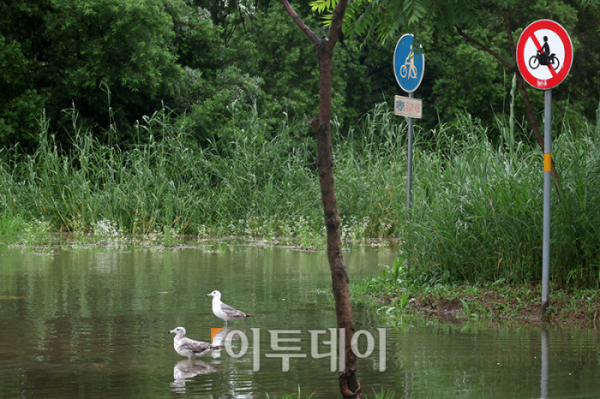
<point>208,294</point>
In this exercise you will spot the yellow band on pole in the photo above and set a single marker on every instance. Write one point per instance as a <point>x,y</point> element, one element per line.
<point>547,162</point>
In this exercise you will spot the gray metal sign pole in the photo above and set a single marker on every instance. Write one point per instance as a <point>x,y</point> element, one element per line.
<point>547,187</point>
<point>544,380</point>
<point>410,156</point>
<point>556,38</point>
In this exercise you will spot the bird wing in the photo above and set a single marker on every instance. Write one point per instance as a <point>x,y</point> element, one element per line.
<point>234,313</point>
<point>231,312</point>
<point>225,308</point>
<point>195,346</point>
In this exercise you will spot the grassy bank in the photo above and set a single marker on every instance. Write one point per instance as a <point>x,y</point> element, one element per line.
<point>477,213</point>
<point>396,292</point>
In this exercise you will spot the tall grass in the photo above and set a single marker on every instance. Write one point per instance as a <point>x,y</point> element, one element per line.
<point>260,183</point>
<point>477,210</point>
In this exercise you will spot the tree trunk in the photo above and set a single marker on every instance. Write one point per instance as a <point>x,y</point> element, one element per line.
<point>349,384</point>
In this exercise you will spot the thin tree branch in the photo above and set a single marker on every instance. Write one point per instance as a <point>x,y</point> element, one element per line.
<point>486,49</point>
<point>337,21</point>
<point>511,42</point>
<point>241,16</point>
<point>311,35</point>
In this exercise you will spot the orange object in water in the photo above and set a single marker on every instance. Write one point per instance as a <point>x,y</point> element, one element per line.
<point>213,332</point>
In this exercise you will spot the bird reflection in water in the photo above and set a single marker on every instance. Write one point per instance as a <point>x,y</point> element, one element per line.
<point>187,369</point>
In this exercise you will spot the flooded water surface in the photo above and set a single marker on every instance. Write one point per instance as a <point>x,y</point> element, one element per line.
<point>94,322</point>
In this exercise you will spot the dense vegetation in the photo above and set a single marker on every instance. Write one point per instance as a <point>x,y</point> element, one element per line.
<point>477,205</point>
<point>190,117</point>
<point>118,60</point>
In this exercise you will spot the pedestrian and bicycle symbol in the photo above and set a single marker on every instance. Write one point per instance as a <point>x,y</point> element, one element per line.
<point>544,54</point>
<point>409,63</point>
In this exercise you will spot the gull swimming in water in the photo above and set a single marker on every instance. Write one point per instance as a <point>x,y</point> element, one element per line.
<point>225,312</point>
<point>188,347</point>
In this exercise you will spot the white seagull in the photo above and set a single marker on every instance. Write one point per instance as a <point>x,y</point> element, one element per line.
<point>188,347</point>
<point>225,312</point>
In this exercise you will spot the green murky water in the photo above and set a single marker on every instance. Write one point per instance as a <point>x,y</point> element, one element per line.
<point>93,323</point>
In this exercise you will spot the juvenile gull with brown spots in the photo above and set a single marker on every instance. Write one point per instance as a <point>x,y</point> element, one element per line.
<point>188,347</point>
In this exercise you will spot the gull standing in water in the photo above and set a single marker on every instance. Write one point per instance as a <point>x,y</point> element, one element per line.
<point>188,347</point>
<point>225,312</point>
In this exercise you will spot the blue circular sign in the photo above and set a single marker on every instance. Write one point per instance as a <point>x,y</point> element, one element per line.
<point>409,64</point>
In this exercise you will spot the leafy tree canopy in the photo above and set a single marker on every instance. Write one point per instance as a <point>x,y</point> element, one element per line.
<point>116,61</point>
<point>461,77</point>
<point>113,60</point>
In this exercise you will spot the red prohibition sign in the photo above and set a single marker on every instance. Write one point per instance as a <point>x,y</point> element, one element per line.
<point>544,54</point>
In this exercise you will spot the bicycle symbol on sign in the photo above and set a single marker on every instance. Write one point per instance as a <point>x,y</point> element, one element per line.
<point>409,67</point>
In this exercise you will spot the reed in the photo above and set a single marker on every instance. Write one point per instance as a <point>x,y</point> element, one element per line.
<point>477,210</point>
<point>292,396</point>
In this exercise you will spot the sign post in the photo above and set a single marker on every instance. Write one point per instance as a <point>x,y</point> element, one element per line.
<point>410,159</point>
<point>409,68</point>
<point>544,57</point>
